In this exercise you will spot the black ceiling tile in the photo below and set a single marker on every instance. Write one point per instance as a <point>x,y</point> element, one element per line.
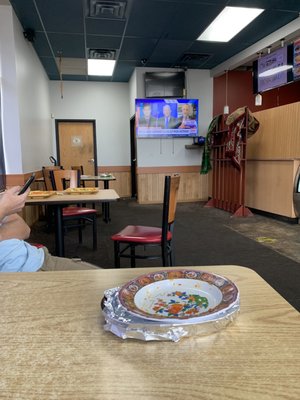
<point>150,18</point>
<point>193,60</point>
<point>124,70</point>
<point>50,66</point>
<point>103,42</point>
<point>53,77</point>
<point>74,77</point>
<point>62,15</point>
<point>284,5</point>
<point>27,14</point>
<point>123,74</point>
<point>137,48</point>
<point>99,78</point>
<point>168,50</point>
<point>69,45</point>
<point>41,45</point>
<point>266,23</point>
<point>104,27</point>
<point>196,19</point>
<point>159,65</point>
<point>163,32</point>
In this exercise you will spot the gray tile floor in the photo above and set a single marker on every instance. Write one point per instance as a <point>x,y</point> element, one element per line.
<point>283,237</point>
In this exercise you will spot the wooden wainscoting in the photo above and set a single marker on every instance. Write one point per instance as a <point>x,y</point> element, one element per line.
<point>193,186</point>
<point>122,184</point>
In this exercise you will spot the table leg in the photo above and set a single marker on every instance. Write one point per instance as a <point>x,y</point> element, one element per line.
<point>59,235</point>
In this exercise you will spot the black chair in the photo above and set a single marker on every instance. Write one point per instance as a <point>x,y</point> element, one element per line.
<point>60,180</point>
<point>48,186</point>
<point>47,177</point>
<point>128,239</point>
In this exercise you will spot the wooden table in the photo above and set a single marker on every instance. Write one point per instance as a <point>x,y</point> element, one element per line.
<point>53,345</point>
<point>105,180</point>
<point>62,200</point>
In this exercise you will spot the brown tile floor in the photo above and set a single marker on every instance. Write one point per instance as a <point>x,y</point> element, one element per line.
<point>283,237</point>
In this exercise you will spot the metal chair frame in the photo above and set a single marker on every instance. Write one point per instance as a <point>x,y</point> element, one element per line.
<point>125,246</point>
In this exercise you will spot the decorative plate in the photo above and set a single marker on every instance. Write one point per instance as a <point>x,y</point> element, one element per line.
<point>178,294</point>
<point>34,194</point>
<point>87,190</point>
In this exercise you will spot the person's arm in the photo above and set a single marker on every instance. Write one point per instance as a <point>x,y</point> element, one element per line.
<point>11,202</point>
<point>14,227</point>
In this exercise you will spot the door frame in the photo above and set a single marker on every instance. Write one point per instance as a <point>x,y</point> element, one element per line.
<point>93,122</point>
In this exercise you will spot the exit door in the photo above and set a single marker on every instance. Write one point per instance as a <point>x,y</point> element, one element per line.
<point>76,144</point>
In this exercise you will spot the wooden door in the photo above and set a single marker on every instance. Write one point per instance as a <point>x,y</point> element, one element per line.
<point>76,144</point>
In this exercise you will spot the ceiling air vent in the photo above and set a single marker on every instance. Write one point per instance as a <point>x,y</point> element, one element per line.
<point>194,59</point>
<point>102,54</point>
<point>106,9</point>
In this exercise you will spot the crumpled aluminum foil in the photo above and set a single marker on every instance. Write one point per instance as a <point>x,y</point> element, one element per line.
<point>127,325</point>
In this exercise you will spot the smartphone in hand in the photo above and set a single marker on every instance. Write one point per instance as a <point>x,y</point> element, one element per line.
<point>27,184</point>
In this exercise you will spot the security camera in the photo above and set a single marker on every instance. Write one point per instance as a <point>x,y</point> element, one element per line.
<point>29,34</point>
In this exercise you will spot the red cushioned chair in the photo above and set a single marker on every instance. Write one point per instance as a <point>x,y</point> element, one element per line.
<point>126,241</point>
<point>60,180</point>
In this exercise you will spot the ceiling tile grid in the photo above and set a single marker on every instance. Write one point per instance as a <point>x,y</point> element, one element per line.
<point>150,33</point>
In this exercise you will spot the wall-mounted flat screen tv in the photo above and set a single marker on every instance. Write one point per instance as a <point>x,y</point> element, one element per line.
<point>273,70</point>
<point>166,118</point>
<point>165,84</point>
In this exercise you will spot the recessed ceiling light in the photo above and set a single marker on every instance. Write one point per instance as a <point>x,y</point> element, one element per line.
<point>101,67</point>
<point>229,23</point>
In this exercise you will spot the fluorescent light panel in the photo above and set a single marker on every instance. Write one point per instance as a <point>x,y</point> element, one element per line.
<point>101,67</point>
<point>229,23</point>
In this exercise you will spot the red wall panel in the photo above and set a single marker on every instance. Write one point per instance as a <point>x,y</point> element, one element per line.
<point>240,93</point>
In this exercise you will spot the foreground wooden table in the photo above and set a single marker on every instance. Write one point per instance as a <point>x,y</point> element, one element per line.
<point>53,345</point>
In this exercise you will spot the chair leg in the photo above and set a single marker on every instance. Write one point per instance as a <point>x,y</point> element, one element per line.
<point>165,258</point>
<point>79,232</point>
<point>95,232</point>
<point>171,255</point>
<point>117,254</point>
<point>132,256</point>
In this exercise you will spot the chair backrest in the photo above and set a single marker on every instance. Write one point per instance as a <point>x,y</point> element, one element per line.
<point>78,168</point>
<point>46,175</point>
<point>64,178</point>
<point>170,202</point>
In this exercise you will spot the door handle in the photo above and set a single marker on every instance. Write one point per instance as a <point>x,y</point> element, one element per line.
<point>91,160</point>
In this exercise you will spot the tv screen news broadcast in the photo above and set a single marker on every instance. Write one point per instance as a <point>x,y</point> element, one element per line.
<point>166,118</point>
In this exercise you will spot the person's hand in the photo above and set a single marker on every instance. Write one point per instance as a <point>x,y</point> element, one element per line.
<point>11,202</point>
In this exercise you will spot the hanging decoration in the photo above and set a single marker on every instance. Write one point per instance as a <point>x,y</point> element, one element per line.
<point>226,107</point>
